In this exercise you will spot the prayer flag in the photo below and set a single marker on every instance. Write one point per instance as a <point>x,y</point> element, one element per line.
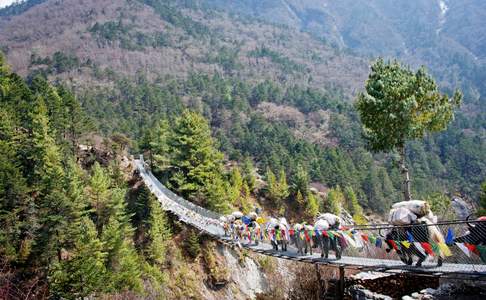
<point>445,250</point>
<point>410,237</point>
<point>394,245</point>
<point>464,249</point>
<point>472,248</point>
<point>324,233</point>
<point>379,243</point>
<point>372,239</point>
<point>427,248</point>
<point>436,249</point>
<point>419,248</point>
<point>482,252</point>
<point>349,240</point>
<point>365,237</point>
<point>449,237</point>
<point>406,244</point>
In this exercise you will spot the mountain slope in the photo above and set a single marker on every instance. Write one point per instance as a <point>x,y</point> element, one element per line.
<point>127,36</point>
<point>445,35</point>
<point>270,92</point>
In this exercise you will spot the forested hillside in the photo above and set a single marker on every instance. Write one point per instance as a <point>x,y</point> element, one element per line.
<point>279,97</point>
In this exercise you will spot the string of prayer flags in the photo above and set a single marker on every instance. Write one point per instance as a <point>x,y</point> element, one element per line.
<point>436,249</point>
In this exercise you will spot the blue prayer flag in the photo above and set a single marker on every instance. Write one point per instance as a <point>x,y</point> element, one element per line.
<point>450,237</point>
<point>246,220</point>
<point>378,243</point>
<point>410,237</point>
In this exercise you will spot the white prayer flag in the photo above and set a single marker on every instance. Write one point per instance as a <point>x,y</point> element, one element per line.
<point>464,249</point>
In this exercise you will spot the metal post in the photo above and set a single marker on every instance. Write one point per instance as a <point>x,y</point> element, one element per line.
<point>319,288</point>
<point>340,294</point>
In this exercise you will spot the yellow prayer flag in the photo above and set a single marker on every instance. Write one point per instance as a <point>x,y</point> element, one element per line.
<point>260,220</point>
<point>406,244</point>
<point>444,249</point>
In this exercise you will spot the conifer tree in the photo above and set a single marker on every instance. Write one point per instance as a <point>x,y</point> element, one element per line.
<point>248,171</point>
<point>312,206</point>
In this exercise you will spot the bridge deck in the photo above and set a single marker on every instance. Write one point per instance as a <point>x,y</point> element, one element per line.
<point>207,221</point>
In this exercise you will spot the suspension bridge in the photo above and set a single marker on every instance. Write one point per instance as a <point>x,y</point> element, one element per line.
<point>366,257</point>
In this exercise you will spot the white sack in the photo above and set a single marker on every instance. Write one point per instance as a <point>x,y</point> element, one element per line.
<point>237,214</point>
<point>418,207</point>
<point>401,216</point>
<point>321,225</point>
<point>330,218</point>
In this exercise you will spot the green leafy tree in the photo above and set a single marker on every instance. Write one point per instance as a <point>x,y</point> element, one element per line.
<point>400,105</point>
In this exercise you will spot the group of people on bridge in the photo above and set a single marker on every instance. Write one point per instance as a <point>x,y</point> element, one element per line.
<point>252,228</point>
<point>412,232</point>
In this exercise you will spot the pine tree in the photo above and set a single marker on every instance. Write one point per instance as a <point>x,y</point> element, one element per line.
<point>99,192</point>
<point>300,181</point>
<point>236,182</point>
<point>249,173</point>
<point>159,147</point>
<point>312,206</point>
<point>83,273</point>
<point>335,199</point>
<point>158,233</point>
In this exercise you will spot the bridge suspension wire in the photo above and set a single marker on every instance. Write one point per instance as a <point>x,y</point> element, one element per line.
<point>452,247</point>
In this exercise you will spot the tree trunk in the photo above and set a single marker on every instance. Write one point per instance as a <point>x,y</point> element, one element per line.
<point>406,177</point>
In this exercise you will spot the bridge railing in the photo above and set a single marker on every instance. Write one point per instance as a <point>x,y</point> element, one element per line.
<point>457,242</point>
<point>181,201</point>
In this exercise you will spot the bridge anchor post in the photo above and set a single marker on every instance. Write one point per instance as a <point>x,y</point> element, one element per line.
<point>340,292</point>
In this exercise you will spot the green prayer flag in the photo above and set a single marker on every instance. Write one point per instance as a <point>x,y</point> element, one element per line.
<point>435,248</point>
<point>482,252</point>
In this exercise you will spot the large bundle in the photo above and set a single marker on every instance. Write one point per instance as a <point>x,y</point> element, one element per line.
<point>272,223</point>
<point>223,219</point>
<point>253,216</point>
<point>283,221</point>
<point>330,218</point>
<point>237,214</point>
<point>321,225</point>
<point>401,216</point>
<point>418,207</point>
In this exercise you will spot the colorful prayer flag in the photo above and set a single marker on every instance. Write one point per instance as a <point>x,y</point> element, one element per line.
<point>324,233</point>
<point>394,245</point>
<point>436,249</point>
<point>428,248</point>
<point>472,248</point>
<point>482,253</point>
<point>378,243</point>
<point>410,237</point>
<point>464,249</point>
<point>449,237</point>
<point>445,250</point>
<point>419,248</point>
<point>365,237</point>
<point>406,244</point>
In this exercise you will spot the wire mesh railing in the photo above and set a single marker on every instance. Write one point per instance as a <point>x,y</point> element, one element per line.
<point>449,246</point>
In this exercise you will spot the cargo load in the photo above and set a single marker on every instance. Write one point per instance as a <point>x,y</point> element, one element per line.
<point>418,207</point>
<point>401,216</point>
<point>330,218</point>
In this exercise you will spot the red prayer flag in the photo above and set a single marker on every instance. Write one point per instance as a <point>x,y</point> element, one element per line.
<point>428,248</point>
<point>365,237</point>
<point>324,233</point>
<point>472,248</point>
<point>291,232</point>
<point>394,245</point>
<point>306,235</point>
